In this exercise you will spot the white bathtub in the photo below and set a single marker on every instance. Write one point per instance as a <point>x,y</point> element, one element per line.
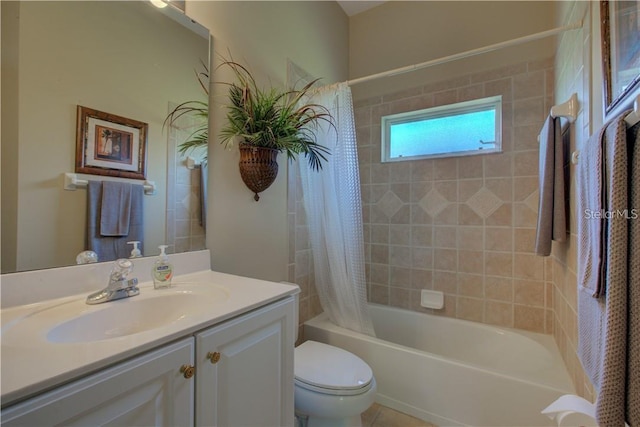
<point>454,372</point>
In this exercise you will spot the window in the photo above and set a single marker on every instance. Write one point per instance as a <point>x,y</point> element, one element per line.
<point>461,129</point>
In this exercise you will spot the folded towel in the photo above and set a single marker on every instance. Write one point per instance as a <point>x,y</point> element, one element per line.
<point>116,208</point>
<point>110,248</point>
<point>552,219</point>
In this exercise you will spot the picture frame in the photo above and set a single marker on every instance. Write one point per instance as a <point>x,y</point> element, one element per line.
<point>107,144</point>
<point>620,31</point>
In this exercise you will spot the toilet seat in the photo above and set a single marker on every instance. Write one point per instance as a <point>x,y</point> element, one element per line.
<point>326,369</point>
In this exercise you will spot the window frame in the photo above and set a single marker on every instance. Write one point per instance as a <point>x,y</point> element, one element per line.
<point>471,106</point>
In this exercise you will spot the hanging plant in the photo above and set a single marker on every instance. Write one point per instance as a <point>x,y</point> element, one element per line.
<point>266,122</point>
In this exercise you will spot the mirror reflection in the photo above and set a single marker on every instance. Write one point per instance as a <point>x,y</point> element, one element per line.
<point>129,59</point>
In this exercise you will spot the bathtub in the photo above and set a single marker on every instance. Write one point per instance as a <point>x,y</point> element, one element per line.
<point>454,372</point>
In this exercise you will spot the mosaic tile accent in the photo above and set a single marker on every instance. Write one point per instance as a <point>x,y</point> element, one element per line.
<point>390,204</point>
<point>433,203</point>
<point>186,202</point>
<point>484,202</point>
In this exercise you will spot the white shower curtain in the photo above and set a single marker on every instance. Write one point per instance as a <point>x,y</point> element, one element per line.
<point>333,206</point>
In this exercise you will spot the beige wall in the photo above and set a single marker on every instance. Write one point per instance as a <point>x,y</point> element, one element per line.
<point>402,33</point>
<point>57,70</point>
<point>247,237</point>
<point>9,170</point>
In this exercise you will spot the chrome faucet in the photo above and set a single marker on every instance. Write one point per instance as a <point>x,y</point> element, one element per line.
<point>119,287</point>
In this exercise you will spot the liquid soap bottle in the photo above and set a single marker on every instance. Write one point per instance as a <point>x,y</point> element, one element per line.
<point>135,252</point>
<point>162,270</point>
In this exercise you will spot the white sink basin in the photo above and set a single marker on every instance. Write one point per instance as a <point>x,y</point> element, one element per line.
<point>130,316</point>
<point>73,321</point>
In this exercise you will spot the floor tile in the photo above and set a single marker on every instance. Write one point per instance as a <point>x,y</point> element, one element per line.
<point>381,416</point>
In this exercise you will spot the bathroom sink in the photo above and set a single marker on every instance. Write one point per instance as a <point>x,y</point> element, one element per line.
<point>148,311</point>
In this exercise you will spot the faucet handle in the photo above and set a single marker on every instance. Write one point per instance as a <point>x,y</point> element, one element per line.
<point>121,269</point>
<point>86,257</point>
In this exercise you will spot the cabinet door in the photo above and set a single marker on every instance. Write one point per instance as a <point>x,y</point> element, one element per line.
<point>245,370</point>
<point>149,390</point>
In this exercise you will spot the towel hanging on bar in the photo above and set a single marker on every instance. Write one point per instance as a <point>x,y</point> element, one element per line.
<point>608,247</point>
<point>631,119</point>
<point>109,248</point>
<point>552,218</point>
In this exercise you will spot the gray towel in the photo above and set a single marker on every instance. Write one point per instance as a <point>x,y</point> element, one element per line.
<point>116,208</point>
<point>589,200</point>
<point>110,248</point>
<point>611,397</point>
<point>608,332</point>
<point>633,352</point>
<point>552,219</point>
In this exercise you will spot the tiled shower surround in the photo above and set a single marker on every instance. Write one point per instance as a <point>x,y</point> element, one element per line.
<point>184,230</point>
<point>462,225</point>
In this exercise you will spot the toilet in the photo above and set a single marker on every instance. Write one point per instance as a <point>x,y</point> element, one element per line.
<point>333,387</point>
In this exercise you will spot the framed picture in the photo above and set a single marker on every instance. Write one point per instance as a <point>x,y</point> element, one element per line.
<point>620,29</point>
<point>107,144</point>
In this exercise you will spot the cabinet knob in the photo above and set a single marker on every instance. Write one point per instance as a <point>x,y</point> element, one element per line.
<point>214,356</point>
<point>188,371</point>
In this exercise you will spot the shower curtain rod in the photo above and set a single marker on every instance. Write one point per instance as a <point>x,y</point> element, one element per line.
<point>467,53</point>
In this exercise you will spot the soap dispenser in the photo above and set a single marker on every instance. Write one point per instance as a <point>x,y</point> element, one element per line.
<point>162,270</point>
<point>135,252</point>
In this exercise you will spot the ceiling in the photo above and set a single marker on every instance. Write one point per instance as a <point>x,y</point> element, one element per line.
<point>353,7</point>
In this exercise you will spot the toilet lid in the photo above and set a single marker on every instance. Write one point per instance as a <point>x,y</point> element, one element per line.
<point>331,368</point>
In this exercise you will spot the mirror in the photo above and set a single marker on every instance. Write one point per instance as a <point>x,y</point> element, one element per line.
<point>129,59</point>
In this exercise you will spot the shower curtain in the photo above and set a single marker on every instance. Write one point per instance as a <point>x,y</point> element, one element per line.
<point>333,206</point>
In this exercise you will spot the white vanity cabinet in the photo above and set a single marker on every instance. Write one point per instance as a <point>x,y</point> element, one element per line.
<point>148,390</point>
<point>243,377</point>
<point>245,370</point>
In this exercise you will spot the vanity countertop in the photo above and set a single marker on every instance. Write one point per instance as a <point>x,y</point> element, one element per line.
<point>36,357</point>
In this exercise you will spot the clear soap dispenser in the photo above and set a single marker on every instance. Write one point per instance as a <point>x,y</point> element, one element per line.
<point>162,270</point>
<point>135,252</point>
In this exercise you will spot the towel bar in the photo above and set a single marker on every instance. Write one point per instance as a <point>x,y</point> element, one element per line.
<point>192,163</point>
<point>567,109</point>
<point>634,117</point>
<point>72,183</point>
<point>631,119</point>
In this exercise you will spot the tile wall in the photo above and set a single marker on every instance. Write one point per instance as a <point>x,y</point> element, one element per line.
<point>572,75</point>
<point>300,266</point>
<point>463,225</point>
<point>184,229</point>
